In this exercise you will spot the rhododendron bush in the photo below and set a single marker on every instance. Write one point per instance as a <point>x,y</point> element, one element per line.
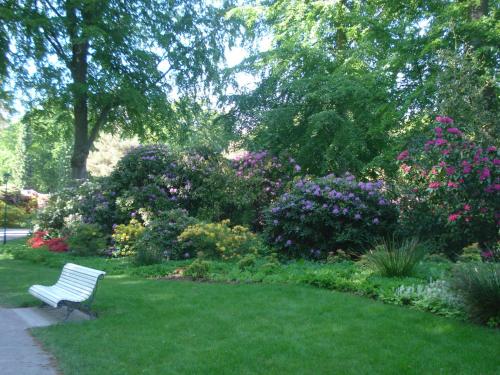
<point>451,189</point>
<point>264,178</point>
<point>322,215</point>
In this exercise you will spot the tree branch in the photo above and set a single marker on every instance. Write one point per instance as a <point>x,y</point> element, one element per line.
<point>100,121</point>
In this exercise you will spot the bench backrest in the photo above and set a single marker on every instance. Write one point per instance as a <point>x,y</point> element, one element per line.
<point>79,280</point>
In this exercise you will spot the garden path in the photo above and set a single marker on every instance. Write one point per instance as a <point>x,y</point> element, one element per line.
<point>19,353</point>
<point>13,234</point>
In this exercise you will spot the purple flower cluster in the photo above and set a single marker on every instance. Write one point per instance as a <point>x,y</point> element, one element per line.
<point>328,213</point>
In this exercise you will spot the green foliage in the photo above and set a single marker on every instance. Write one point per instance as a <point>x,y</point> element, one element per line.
<point>478,284</point>
<point>247,262</point>
<point>198,270</point>
<point>140,61</point>
<point>344,82</point>
<point>125,237</point>
<point>17,217</point>
<point>393,259</point>
<point>471,253</point>
<point>220,241</point>
<point>159,239</point>
<point>44,148</point>
<point>86,239</point>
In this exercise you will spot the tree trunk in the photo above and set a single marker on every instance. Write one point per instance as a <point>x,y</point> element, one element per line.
<point>79,72</point>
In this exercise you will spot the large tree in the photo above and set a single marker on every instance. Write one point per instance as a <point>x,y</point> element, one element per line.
<point>346,81</point>
<point>111,63</point>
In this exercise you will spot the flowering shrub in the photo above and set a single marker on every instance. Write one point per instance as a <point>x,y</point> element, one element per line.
<point>125,236</point>
<point>42,239</point>
<point>322,215</point>
<point>148,177</point>
<point>219,240</point>
<point>265,178</point>
<point>452,184</point>
<point>88,203</point>
<point>159,239</point>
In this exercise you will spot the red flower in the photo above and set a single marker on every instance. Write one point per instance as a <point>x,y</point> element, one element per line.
<point>453,217</point>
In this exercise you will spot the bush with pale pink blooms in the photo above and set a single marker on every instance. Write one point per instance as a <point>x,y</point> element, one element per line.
<point>451,189</point>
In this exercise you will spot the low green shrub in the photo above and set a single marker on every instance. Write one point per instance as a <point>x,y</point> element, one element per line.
<point>159,239</point>
<point>471,253</point>
<point>391,258</point>
<point>247,262</point>
<point>478,284</point>
<point>198,270</point>
<point>220,241</point>
<point>86,239</point>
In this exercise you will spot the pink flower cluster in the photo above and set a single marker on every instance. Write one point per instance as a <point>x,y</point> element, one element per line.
<point>450,170</point>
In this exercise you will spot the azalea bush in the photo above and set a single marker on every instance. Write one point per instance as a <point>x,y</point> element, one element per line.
<point>220,241</point>
<point>319,216</point>
<point>42,239</point>
<point>451,189</point>
<point>125,237</point>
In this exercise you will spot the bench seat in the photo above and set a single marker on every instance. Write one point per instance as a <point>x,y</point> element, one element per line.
<point>75,286</point>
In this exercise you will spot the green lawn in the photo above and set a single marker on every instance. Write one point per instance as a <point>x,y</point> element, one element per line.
<point>176,327</point>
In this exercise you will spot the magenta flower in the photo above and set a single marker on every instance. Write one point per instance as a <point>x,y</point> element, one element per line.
<point>434,185</point>
<point>467,167</point>
<point>438,131</point>
<point>467,207</point>
<point>455,131</point>
<point>450,170</point>
<point>403,155</point>
<point>440,142</point>
<point>452,184</point>
<point>444,119</point>
<point>453,217</point>
<point>485,173</point>
<point>491,149</point>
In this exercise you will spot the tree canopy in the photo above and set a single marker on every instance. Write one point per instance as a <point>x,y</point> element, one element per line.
<point>344,81</point>
<point>111,63</point>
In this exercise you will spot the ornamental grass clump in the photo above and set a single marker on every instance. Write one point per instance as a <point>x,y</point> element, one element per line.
<point>393,259</point>
<point>478,284</point>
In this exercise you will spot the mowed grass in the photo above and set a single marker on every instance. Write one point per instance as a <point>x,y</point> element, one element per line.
<point>180,327</point>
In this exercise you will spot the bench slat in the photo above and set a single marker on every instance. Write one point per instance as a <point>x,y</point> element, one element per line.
<point>74,288</point>
<point>77,281</point>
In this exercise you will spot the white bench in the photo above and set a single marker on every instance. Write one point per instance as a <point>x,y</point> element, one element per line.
<point>75,289</point>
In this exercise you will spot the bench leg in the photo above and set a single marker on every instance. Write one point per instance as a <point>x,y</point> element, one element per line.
<point>69,310</point>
